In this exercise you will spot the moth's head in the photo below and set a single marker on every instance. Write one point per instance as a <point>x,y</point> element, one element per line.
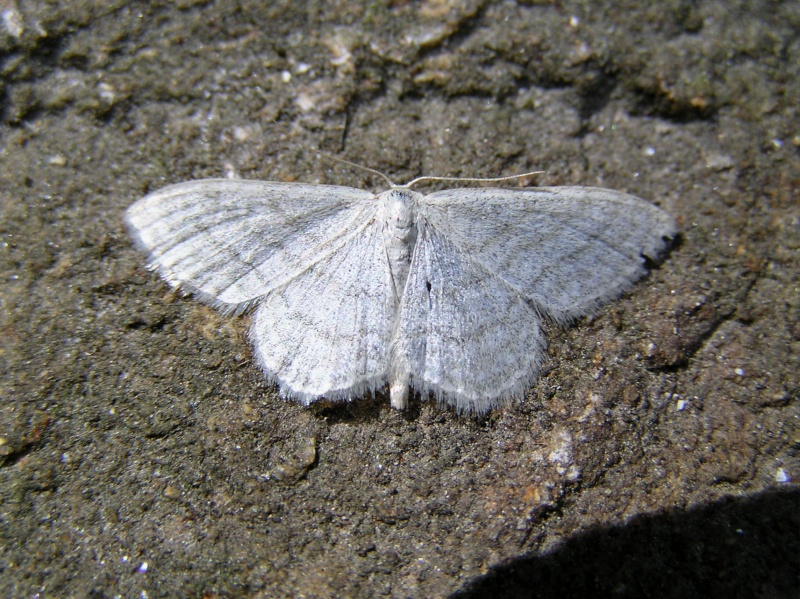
<point>400,201</point>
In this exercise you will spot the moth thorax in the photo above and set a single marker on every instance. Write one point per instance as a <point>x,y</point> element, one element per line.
<point>399,232</point>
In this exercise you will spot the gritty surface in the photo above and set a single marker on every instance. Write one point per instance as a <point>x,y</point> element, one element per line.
<point>141,450</point>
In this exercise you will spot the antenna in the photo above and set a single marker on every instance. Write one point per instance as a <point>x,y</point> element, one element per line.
<point>425,178</point>
<point>475,179</point>
<point>353,164</point>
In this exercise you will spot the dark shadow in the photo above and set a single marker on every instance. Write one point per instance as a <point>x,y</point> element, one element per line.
<point>735,548</point>
<point>363,408</point>
<point>595,93</point>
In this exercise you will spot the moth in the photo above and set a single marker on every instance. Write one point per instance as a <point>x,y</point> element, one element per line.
<point>441,294</point>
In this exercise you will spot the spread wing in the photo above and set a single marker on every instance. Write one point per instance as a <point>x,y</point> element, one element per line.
<point>488,262</point>
<point>311,256</point>
<point>231,241</point>
<point>326,332</point>
<point>463,334</point>
<point>566,249</point>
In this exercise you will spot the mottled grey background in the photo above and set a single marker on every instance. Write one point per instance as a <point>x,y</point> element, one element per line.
<point>141,451</point>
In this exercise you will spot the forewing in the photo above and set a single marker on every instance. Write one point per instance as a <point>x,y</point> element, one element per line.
<point>463,334</point>
<point>327,331</point>
<point>231,241</point>
<point>566,249</point>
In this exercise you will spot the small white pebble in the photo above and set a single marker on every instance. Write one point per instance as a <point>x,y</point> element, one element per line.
<point>777,143</point>
<point>574,21</point>
<point>573,474</point>
<point>241,134</point>
<point>286,76</point>
<point>739,372</point>
<point>681,405</point>
<point>650,151</point>
<point>143,567</point>
<point>782,476</point>
<point>106,92</point>
<point>304,102</point>
<point>719,162</point>
<point>12,19</point>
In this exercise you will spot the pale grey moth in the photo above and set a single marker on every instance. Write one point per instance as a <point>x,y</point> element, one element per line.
<point>442,294</point>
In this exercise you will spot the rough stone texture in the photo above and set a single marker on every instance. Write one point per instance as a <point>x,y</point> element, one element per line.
<point>141,450</point>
